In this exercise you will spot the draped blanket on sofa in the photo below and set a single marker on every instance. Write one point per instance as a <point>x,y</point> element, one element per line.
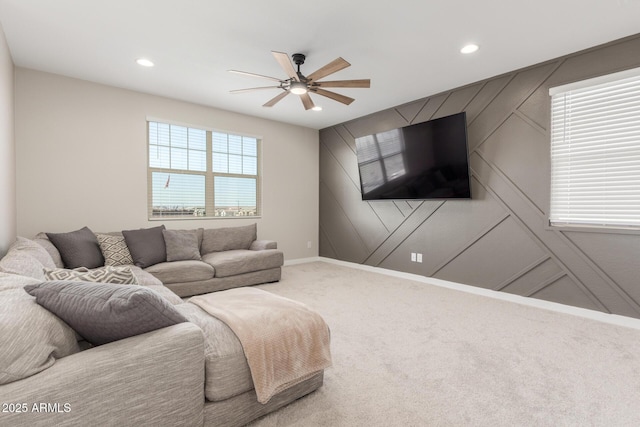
<point>283,340</point>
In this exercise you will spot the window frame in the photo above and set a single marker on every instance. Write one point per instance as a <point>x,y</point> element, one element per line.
<point>209,174</point>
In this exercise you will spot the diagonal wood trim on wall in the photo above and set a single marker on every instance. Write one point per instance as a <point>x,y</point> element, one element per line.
<point>500,239</point>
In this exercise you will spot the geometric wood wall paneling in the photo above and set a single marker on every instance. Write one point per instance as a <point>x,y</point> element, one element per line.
<point>336,146</point>
<point>433,104</point>
<point>500,239</point>
<point>521,153</point>
<point>390,215</point>
<point>519,88</point>
<point>617,56</point>
<point>528,281</point>
<point>565,291</point>
<point>439,234</point>
<point>497,256</point>
<point>327,248</point>
<point>410,111</point>
<point>375,123</point>
<point>405,229</point>
<point>490,89</point>
<point>338,183</point>
<point>457,101</point>
<point>620,265</point>
<point>339,230</point>
<point>604,293</point>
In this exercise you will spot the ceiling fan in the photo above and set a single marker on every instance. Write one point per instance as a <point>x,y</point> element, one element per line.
<point>301,85</point>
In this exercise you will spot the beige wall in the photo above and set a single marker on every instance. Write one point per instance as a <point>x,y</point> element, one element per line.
<point>7,149</point>
<point>81,160</point>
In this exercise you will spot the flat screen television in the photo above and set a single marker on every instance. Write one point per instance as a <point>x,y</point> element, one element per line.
<point>428,160</point>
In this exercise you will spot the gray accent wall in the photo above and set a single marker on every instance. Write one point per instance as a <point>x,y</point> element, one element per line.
<point>500,239</point>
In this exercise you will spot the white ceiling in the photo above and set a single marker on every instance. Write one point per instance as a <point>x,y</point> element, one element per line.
<point>408,48</point>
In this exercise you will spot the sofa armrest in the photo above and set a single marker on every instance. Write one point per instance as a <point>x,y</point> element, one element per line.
<point>152,379</point>
<point>259,245</point>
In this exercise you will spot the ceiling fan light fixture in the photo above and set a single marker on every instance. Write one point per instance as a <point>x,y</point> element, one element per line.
<point>316,108</point>
<point>298,88</point>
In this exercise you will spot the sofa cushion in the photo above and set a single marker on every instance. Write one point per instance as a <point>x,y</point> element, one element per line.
<point>43,240</point>
<point>78,248</point>
<point>231,263</point>
<point>181,271</point>
<point>146,246</point>
<point>31,338</point>
<point>119,275</point>
<point>182,244</point>
<point>227,373</point>
<point>229,238</point>
<point>22,264</point>
<point>34,249</point>
<point>26,258</point>
<point>115,249</point>
<point>103,312</point>
<point>149,280</point>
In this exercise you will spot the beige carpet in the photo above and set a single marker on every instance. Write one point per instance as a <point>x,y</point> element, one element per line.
<point>407,353</point>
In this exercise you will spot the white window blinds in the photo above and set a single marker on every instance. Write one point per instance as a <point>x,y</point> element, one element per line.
<point>595,152</point>
<point>201,173</point>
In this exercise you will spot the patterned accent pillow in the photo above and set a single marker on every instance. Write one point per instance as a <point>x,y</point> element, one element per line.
<point>115,275</point>
<point>114,249</point>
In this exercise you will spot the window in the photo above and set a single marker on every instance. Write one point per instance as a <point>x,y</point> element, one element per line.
<point>201,173</point>
<point>595,152</point>
<point>380,158</point>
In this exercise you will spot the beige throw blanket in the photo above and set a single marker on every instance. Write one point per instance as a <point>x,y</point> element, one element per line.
<point>284,341</point>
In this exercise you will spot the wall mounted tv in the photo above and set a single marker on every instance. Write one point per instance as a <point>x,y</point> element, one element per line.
<point>428,160</point>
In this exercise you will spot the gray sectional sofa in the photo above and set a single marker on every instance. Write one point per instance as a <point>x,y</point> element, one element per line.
<point>222,258</point>
<point>188,374</point>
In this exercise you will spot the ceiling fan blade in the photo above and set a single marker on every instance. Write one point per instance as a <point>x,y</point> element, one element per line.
<point>251,89</point>
<point>306,101</point>
<point>332,67</point>
<point>335,96</point>
<point>285,63</point>
<point>345,83</point>
<point>254,75</point>
<point>276,99</point>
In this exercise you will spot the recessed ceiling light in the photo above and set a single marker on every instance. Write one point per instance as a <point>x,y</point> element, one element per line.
<point>470,48</point>
<point>316,108</point>
<point>144,62</point>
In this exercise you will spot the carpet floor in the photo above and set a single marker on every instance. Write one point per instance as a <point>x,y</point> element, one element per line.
<point>406,353</point>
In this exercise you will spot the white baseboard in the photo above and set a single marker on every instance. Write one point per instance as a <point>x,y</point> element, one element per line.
<point>614,319</point>
<point>303,260</point>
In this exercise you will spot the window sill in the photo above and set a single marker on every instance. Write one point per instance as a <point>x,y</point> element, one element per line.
<point>594,229</point>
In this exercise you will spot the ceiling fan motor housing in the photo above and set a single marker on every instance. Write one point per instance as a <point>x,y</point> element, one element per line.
<point>298,58</point>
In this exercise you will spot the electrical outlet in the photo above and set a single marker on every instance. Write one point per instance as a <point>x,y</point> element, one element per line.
<point>309,244</point>
<point>413,257</point>
<point>419,257</point>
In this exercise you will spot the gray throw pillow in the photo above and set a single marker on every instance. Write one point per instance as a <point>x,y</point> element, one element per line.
<point>146,246</point>
<point>182,244</point>
<point>78,248</point>
<point>228,238</point>
<point>104,312</point>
